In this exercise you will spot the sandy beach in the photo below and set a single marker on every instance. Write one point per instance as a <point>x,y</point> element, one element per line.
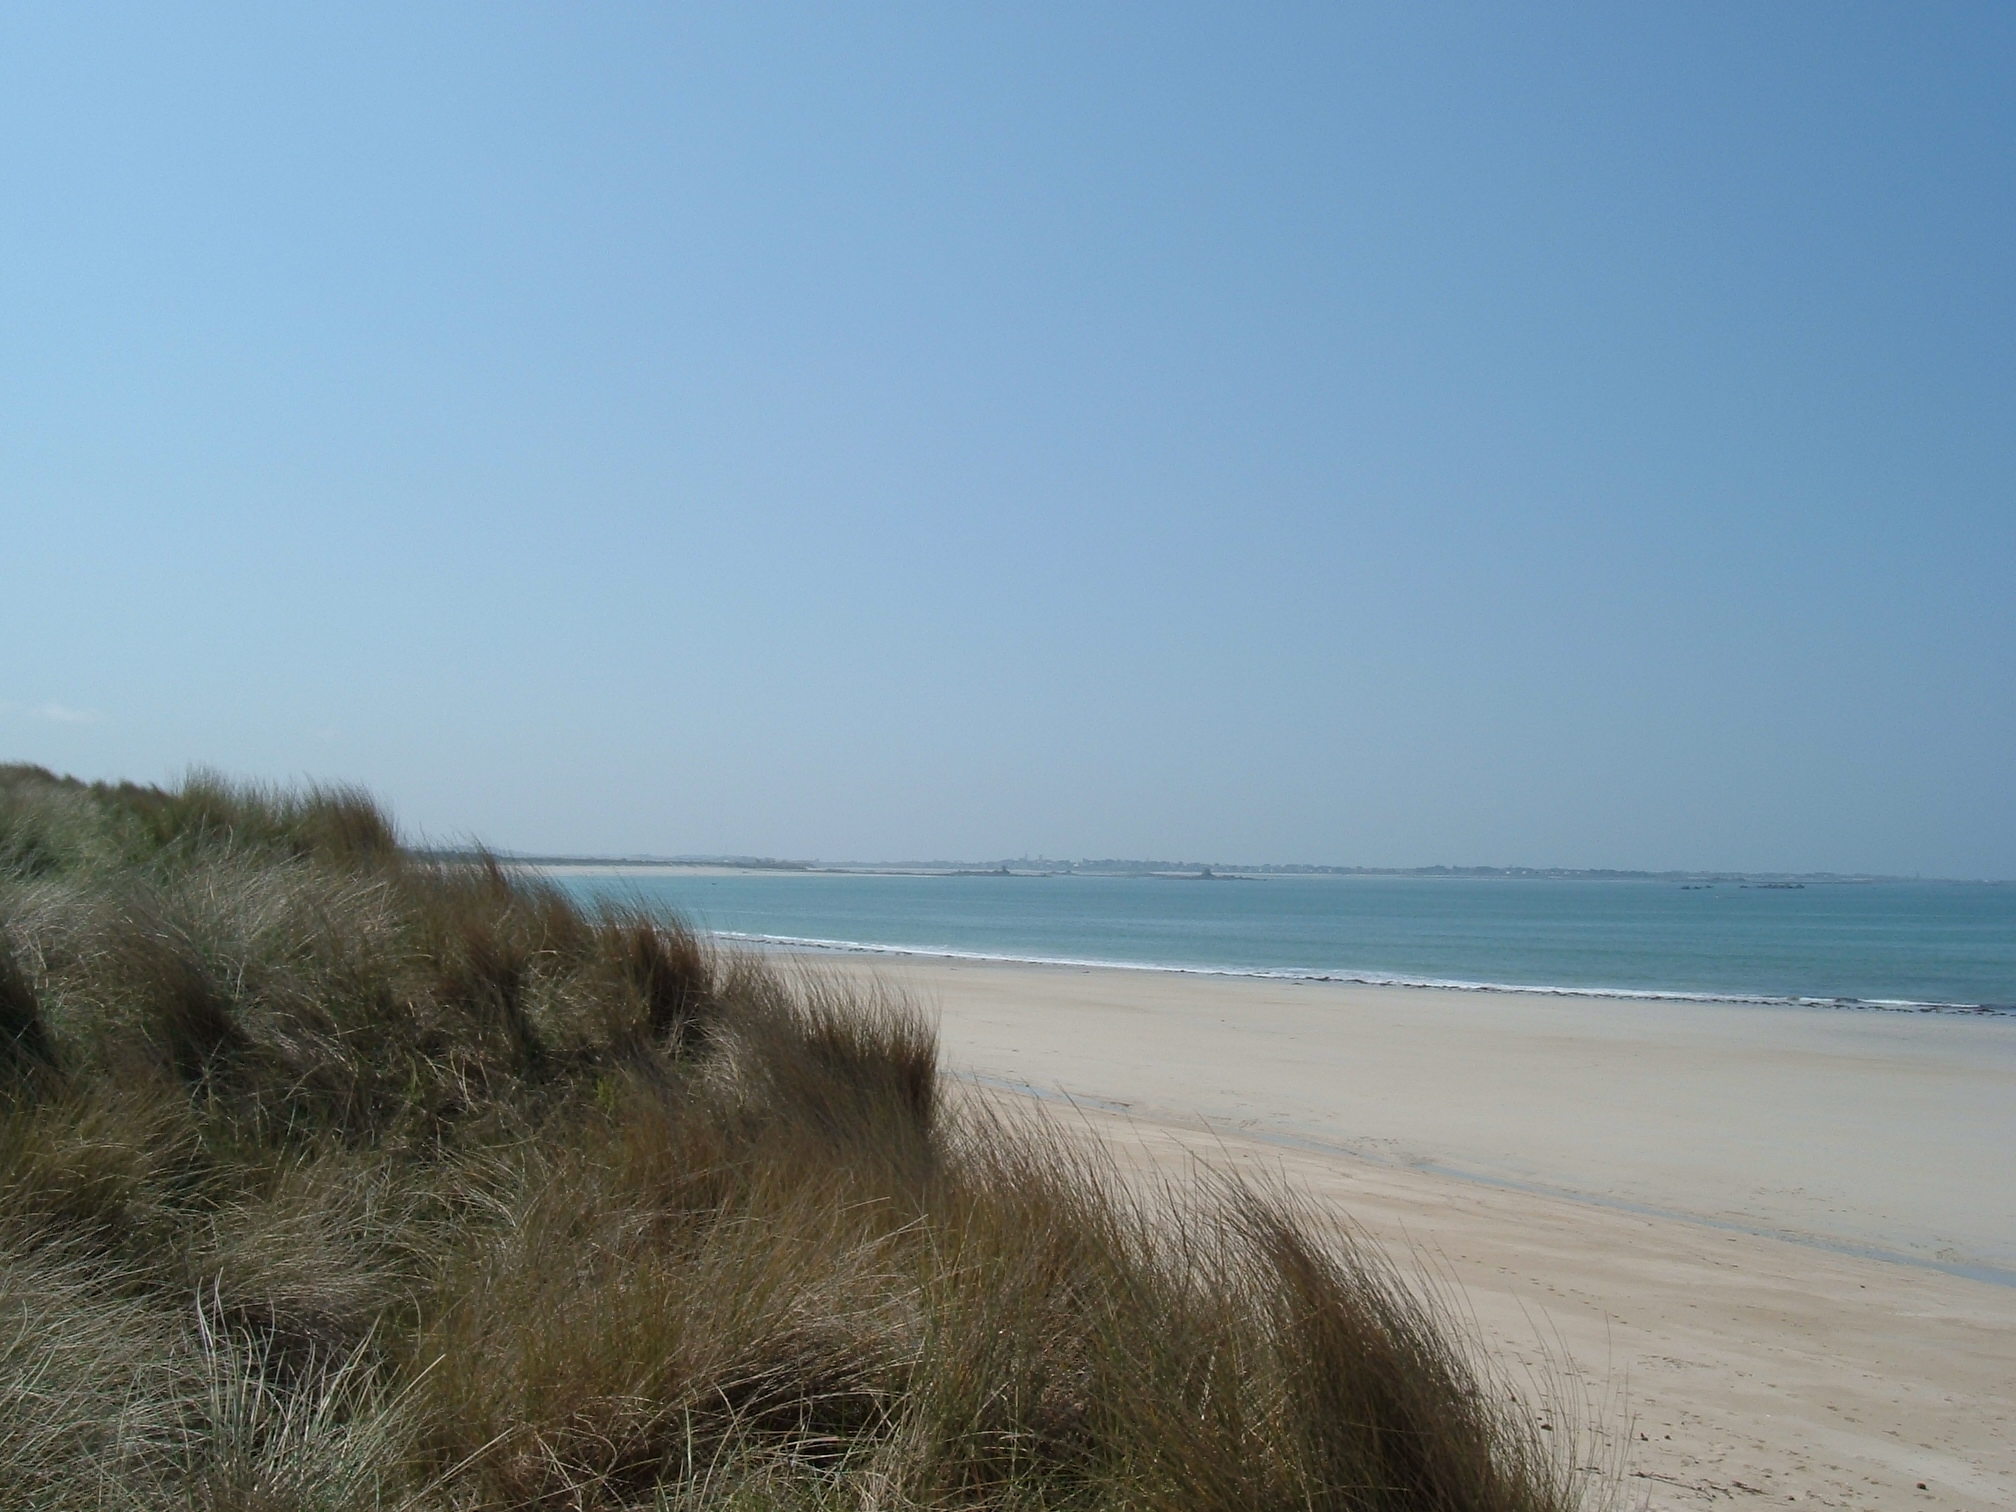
<point>1783,1239</point>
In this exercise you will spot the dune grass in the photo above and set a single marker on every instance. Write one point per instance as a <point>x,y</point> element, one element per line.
<point>334,1179</point>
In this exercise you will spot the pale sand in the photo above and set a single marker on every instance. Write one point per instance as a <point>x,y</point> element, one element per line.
<point>1498,1138</point>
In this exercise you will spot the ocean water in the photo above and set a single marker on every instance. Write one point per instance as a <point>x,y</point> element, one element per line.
<point>1905,945</point>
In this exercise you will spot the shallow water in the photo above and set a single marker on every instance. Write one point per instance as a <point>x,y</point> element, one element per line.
<point>1907,944</point>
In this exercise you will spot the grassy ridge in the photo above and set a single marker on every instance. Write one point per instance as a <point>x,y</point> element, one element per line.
<point>334,1179</point>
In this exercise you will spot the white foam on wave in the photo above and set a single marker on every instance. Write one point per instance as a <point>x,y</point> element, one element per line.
<point>1363,978</point>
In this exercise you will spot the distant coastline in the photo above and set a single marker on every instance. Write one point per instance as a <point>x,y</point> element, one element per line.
<point>1029,866</point>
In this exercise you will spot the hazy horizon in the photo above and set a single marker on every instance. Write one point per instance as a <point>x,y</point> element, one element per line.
<point>1572,437</point>
<point>439,846</point>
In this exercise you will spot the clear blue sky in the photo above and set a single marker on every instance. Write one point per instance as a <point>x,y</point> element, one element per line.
<point>1396,435</point>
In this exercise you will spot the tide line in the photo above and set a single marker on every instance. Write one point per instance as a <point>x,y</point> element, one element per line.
<point>1363,978</point>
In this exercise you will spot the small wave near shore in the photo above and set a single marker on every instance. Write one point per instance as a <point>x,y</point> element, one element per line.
<point>1357,978</point>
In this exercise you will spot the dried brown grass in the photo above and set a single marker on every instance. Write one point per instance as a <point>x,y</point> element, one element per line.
<point>334,1178</point>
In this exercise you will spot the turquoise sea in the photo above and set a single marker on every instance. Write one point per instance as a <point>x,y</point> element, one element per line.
<point>1898,945</point>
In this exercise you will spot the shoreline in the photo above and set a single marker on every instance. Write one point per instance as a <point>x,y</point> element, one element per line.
<point>812,944</point>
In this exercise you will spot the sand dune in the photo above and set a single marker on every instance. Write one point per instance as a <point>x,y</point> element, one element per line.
<point>1687,1200</point>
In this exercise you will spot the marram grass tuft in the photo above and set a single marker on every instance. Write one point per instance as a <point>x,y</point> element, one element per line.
<point>336,1178</point>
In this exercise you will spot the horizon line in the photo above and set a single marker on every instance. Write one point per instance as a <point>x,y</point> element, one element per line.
<point>1125,866</point>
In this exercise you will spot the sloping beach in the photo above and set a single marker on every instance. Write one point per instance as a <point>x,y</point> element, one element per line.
<point>1786,1236</point>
